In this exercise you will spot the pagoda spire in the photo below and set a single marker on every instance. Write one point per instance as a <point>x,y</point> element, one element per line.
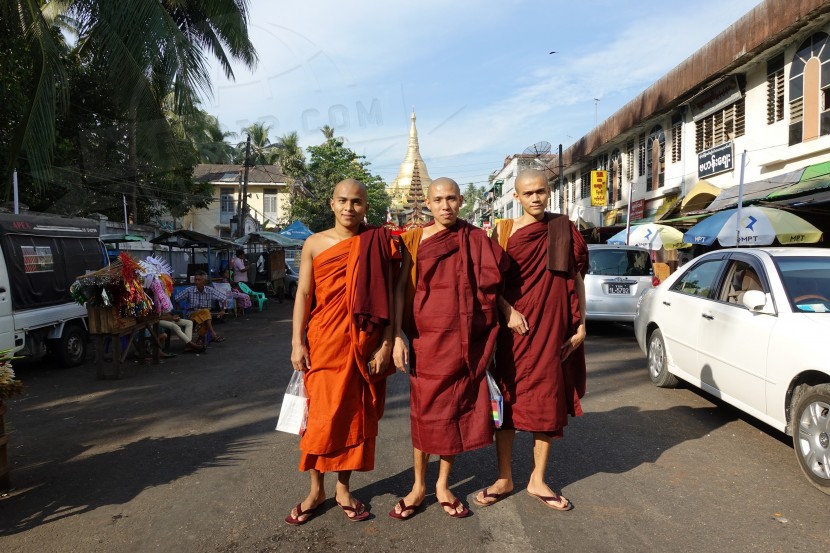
<point>415,201</point>
<point>400,187</point>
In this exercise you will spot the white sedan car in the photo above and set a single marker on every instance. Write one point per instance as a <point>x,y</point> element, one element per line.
<point>750,327</point>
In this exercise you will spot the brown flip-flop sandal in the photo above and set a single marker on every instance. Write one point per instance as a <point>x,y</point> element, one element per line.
<point>308,513</point>
<point>496,497</point>
<point>465,512</point>
<point>405,509</point>
<point>546,499</point>
<point>360,513</point>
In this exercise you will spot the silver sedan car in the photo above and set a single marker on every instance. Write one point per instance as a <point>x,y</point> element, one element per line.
<point>617,277</point>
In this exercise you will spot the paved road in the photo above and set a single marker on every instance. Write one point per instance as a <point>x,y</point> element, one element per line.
<point>183,457</point>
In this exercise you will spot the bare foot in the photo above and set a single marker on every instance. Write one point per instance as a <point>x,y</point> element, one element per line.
<point>414,499</point>
<point>308,505</point>
<point>451,505</point>
<point>550,498</point>
<point>494,493</point>
<point>346,499</point>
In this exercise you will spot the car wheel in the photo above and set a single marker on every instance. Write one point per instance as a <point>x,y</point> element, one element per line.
<point>811,434</point>
<point>70,349</point>
<point>292,290</point>
<point>658,369</point>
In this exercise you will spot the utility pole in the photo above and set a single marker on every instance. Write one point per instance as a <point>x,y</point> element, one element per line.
<point>245,187</point>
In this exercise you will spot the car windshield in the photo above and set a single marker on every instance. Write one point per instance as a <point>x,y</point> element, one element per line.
<point>807,282</point>
<point>619,262</point>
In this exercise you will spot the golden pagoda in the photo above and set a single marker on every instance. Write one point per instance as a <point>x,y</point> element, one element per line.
<point>401,187</point>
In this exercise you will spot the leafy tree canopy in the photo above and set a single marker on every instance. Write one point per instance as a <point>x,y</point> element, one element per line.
<point>328,164</point>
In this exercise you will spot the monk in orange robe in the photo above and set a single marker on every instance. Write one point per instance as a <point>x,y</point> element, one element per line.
<point>445,302</point>
<point>540,360</point>
<point>343,347</point>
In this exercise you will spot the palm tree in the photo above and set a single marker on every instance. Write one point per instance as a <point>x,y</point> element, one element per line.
<point>290,155</point>
<point>262,151</point>
<point>328,132</point>
<point>148,49</point>
<point>46,91</point>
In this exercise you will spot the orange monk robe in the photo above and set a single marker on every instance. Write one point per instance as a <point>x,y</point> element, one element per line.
<point>451,320</point>
<point>539,390</point>
<point>345,402</point>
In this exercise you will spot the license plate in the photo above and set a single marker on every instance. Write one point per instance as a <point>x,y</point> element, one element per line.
<point>619,289</point>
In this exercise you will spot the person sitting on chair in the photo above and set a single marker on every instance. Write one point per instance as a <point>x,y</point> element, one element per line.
<point>199,298</point>
<point>181,327</point>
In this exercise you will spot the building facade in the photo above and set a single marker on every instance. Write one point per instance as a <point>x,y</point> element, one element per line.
<point>269,195</point>
<point>754,100</point>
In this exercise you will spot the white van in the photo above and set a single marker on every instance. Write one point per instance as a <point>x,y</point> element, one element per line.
<point>40,257</point>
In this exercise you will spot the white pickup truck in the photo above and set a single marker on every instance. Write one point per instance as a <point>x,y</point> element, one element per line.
<point>40,257</point>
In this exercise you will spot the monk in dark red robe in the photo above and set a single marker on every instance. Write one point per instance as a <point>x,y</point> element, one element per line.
<point>446,303</point>
<point>540,361</point>
<point>343,346</point>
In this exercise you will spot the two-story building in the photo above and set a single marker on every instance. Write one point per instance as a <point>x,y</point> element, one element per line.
<point>269,194</point>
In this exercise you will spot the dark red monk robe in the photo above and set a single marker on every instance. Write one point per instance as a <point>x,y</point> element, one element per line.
<point>452,330</point>
<point>345,402</point>
<point>539,392</point>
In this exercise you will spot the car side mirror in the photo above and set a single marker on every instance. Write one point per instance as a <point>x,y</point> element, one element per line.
<point>755,300</point>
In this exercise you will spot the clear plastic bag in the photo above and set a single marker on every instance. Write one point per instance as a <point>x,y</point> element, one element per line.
<point>294,410</point>
<point>496,401</point>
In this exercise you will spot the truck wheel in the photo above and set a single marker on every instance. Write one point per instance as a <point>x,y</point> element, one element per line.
<point>70,349</point>
<point>811,435</point>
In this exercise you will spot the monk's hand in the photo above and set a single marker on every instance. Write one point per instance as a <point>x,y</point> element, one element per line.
<point>381,358</point>
<point>574,341</point>
<point>400,354</point>
<point>299,358</point>
<point>517,323</point>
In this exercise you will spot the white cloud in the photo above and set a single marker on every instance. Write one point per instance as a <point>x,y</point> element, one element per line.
<point>358,67</point>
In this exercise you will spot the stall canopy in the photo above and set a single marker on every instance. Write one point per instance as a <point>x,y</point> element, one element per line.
<point>191,239</point>
<point>297,230</point>
<point>264,236</point>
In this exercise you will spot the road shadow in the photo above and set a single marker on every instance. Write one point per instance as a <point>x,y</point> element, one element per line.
<point>77,484</point>
<point>613,442</point>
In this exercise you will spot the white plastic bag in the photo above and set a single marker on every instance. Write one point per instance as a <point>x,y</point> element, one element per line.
<point>294,410</point>
<point>496,401</point>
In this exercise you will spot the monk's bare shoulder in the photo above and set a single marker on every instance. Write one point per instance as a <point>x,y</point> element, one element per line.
<point>319,242</point>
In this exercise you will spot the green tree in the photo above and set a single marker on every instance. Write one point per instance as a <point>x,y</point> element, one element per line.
<point>328,164</point>
<point>472,194</point>
<point>263,152</point>
<point>289,154</point>
<point>146,50</point>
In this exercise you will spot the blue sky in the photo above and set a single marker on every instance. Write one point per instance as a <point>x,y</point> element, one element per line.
<point>478,73</point>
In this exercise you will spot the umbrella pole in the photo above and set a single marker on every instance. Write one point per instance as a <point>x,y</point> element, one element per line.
<point>740,202</point>
<point>628,217</point>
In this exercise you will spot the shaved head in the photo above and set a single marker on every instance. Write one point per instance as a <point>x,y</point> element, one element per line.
<point>443,182</point>
<point>348,185</point>
<point>530,176</point>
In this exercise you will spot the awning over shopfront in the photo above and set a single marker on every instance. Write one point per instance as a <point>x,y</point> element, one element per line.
<point>815,177</point>
<point>699,196</point>
<point>753,191</point>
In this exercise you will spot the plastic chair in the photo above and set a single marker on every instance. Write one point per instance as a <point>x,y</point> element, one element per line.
<point>257,297</point>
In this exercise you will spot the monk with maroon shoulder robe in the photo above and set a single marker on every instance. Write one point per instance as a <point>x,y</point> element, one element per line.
<point>446,304</point>
<point>343,348</point>
<point>540,360</point>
